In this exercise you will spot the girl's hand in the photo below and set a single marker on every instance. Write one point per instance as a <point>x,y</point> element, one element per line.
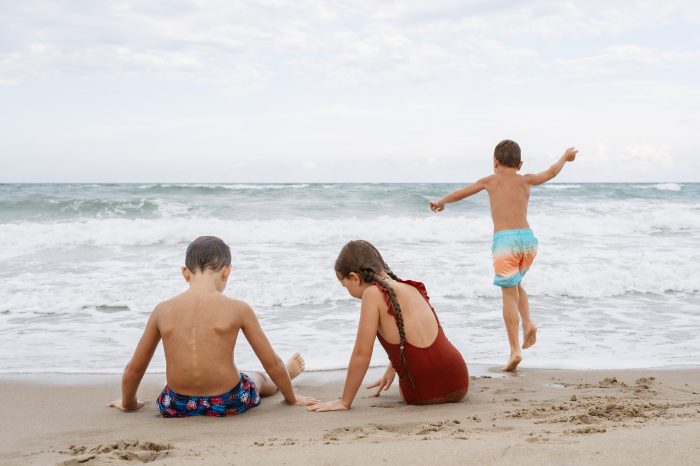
<point>304,401</point>
<point>335,405</point>
<point>119,405</point>
<point>385,382</point>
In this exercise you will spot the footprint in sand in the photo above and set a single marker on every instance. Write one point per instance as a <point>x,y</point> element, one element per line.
<point>124,450</point>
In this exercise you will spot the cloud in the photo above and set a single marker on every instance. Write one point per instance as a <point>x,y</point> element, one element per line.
<point>630,58</point>
<point>397,79</point>
<point>245,45</point>
<point>647,155</point>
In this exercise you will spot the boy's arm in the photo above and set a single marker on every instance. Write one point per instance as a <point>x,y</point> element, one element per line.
<point>459,194</point>
<point>542,177</point>
<point>266,354</point>
<point>361,354</point>
<point>136,368</point>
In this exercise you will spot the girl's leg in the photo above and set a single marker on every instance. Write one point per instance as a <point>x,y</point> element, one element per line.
<point>510,317</point>
<point>265,385</point>
<point>529,329</point>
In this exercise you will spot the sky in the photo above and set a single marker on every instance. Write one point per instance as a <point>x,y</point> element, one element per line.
<point>346,91</point>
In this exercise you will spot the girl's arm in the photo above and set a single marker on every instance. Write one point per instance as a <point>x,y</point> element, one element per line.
<point>385,382</point>
<point>361,354</point>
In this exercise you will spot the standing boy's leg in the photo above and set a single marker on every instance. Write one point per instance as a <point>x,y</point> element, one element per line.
<point>529,329</point>
<point>510,317</point>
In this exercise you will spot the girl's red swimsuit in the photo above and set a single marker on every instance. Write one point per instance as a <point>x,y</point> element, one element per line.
<point>439,372</point>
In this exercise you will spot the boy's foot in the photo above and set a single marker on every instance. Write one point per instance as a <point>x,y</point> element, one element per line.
<point>529,336</point>
<point>295,365</point>
<point>512,363</point>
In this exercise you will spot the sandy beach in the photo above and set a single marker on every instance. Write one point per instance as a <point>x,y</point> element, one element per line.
<point>649,416</point>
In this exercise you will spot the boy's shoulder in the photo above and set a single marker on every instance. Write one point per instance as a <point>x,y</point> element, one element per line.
<point>236,304</point>
<point>487,181</point>
<point>220,300</point>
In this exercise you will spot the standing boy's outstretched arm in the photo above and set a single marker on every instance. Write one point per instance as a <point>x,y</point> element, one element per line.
<point>458,195</point>
<point>136,368</point>
<point>542,177</point>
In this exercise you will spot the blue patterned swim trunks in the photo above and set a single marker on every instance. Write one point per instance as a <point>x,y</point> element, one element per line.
<point>243,396</point>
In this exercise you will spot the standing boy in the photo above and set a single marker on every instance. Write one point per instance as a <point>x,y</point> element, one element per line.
<point>514,244</point>
<point>199,329</point>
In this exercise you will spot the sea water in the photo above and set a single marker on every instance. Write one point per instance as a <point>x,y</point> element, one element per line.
<point>616,282</point>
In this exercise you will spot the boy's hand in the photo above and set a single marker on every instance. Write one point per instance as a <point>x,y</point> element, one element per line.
<point>335,405</point>
<point>385,382</point>
<point>304,401</point>
<point>119,405</point>
<point>570,154</point>
<point>437,206</point>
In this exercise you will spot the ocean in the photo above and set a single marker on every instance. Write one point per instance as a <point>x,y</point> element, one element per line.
<point>616,283</point>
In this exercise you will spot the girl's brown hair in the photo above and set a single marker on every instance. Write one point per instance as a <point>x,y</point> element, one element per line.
<point>362,258</point>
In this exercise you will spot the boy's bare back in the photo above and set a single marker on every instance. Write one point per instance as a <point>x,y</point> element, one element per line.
<point>509,194</point>
<point>199,332</point>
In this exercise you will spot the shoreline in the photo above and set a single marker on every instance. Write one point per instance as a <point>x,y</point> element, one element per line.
<point>535,416</point>
<point>478,369</point>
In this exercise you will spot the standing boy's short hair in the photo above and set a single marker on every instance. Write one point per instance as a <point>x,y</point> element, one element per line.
<point>507,153</point>
<point>207,252</point>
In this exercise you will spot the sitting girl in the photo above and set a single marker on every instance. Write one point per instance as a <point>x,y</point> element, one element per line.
<point>399,314</point>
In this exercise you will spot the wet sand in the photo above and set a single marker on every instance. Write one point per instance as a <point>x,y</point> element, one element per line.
<point>649,416</point>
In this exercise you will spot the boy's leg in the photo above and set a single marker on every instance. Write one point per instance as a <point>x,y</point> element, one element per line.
<point>510,317</point>
<point>265,385</point>
<point>529,328</point>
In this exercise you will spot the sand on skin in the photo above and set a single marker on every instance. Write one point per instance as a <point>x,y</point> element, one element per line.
<point>533,417</point>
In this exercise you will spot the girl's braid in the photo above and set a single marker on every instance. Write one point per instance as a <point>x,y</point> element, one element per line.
<point>399,322</point>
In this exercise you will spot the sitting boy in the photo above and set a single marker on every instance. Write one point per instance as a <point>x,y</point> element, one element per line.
<point>199,329</point>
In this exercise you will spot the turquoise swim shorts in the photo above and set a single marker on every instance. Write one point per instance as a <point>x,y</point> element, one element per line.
<point>513,254</point>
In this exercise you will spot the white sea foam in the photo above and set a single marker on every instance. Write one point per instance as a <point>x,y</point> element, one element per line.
<point>556,186</point>
<point>611,272</point>
<point>668,186</point>
<point>231,186</point>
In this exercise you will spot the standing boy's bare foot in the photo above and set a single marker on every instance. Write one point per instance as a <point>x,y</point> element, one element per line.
<point>529,336</point>
<point>295,365</point>
<point>513,362</point>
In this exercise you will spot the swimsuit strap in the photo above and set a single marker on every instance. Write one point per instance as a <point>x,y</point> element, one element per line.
<point>417,285</point>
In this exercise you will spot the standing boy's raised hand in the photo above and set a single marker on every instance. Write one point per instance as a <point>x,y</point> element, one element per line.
<point>570,154</point>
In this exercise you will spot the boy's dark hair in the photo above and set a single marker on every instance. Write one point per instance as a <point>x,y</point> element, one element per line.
<point>207,252</point>
<point>507,153</point>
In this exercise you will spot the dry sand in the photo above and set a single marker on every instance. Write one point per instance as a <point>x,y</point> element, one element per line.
<point>534,417</point>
